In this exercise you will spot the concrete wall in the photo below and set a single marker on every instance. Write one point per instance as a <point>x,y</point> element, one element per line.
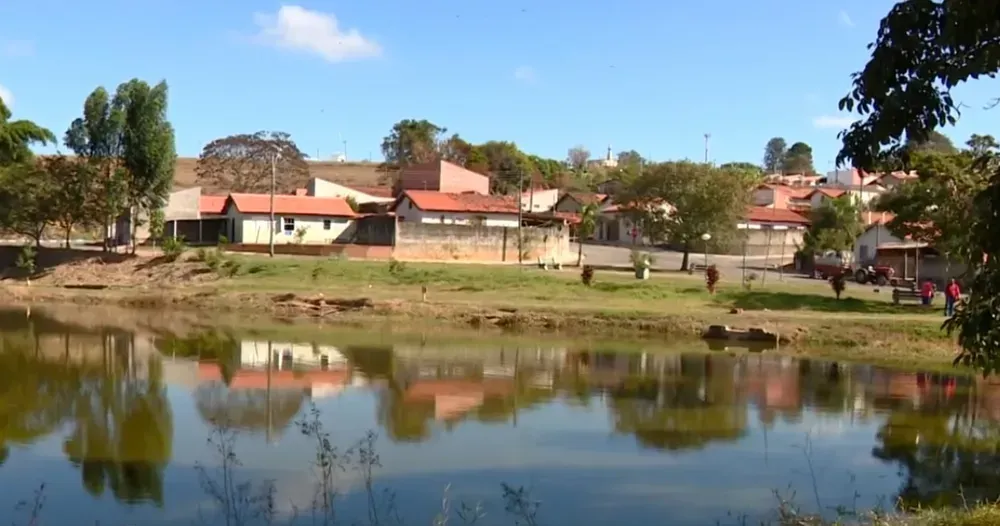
<point>759,244</point>
<point>183,204</point>
<point>322,188</point>
<point>420,241</point>
<point>375,230</point>
<point>442,176</point>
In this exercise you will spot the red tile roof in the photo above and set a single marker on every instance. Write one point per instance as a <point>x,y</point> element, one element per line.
<point>761,214</point>
<point>832,193</point>
<point>588,198</point>
<point>431,201</point>
<point>212,204</point>
<point>299,205</point>
<point>795,192</point>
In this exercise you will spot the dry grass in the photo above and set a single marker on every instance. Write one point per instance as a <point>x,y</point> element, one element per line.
<point>362,174</point>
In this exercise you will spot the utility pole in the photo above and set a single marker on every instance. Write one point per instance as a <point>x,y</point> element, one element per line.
<point>345,150</point>
<point>274,177</point>
<point>707,137</point>
<point>520,217</point>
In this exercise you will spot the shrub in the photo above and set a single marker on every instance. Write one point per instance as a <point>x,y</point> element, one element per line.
<point>213,259</point>
<point>173,247</point>
<point>26,260</point>
<point>318,272</point>
<point>230,268</point>
<point>223,243</point>
<point>641,259</point>
<point>838,283</point>
<point>712,277</point>
<point>587,275</point>
<point>396,267</point>
<point>748,282</point>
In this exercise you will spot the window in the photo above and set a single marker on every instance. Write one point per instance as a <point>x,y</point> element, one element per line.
<point>288,225</point>
<point>326,224</point>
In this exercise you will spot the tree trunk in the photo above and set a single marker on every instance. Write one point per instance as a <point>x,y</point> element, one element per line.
<point>687,256</point>
<point>105,243</point>
<point>579,254</point>
<point>69,230</point>
<point>133,225</point>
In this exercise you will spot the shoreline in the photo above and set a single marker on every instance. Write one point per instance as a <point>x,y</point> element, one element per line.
<point>876,339</point>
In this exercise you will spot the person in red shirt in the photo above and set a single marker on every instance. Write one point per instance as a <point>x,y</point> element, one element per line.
<point>927,292</point>
<point>951,294</point>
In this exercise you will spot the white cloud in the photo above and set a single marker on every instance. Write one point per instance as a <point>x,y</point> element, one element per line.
<point>296,28</point>
<point>845,19</point>
<point>833,121</point>
<point>7,96</point>
<point>17,48</point>
<point>525,74</point>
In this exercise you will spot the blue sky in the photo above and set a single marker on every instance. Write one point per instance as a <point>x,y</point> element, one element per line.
<point>644,75</point>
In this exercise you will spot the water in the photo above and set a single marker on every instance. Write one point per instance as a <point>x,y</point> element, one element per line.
<point>115,424</point>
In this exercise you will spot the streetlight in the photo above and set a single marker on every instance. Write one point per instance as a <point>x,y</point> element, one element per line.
<point>705,237</point>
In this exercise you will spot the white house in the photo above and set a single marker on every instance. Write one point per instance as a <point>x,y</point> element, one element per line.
<point>866,244</point>
<point>317,187</point>
<point>539,200</point>
<point>298,219</point>
<point>615,226</point>
<point>426,206</point>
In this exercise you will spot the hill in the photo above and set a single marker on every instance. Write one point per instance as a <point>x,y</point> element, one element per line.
<point>356,174</point>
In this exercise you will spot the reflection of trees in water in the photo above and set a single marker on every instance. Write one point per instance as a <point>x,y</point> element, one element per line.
<point>247,409</point>
<point>947,456</point>
<point>122,437</point>
<point>686,412</point>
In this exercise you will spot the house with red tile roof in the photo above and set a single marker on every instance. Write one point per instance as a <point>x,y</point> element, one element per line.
<point>573,202</point>
<point>426,206</point>
<point>298,219</point>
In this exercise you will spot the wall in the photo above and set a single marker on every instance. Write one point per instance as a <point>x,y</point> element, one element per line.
<point>183,204</point>
<point>411,214</point>
<point>568,205</point>
<point>757,242</point>
<point>322,188</point>
<point>456,179</point>
<point>764,197</point>
<point>421,241</point>
<point>377,230</point>
<point>931,266</point>
<point>255,229</point>
<point>348,250</point>
<point>198,230</point>
<point>539,200</point>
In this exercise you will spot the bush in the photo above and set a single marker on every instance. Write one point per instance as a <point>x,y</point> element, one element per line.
<point>173,247</point>
<point>641,259</point>
<point>318,272</point>
<point>587,275</point>
<point>26,259</point>
<point>838,283</point>
<point>712,277</point>
<point>223,243</point>
<point>396,267</point>
<point>230,268</point>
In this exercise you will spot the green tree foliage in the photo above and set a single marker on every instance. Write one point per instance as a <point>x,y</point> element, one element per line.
<point>243,163</point>
<point>148,150</point>
<point>938,207</point>
<point>935,142</point>
<point>26,200</point>
<point>73,192</point>
<point>922,51</point>
<point>748,170</point>
<point>16,137</point>
<point>835,225</point>
<point>412,142</point>
<point>774,155</point>
<point>798,160</point>
<point>704,199</point>
<point>630,163</point>
<point>982,144</point>
<point>588,223</point>
<point>577,158</point>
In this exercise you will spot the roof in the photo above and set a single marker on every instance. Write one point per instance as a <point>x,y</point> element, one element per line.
<point>832,193</point>
<point>300,205</point>
<point>374,191</point>
<point>431,201</point>
<point>761,214</point>
<point>585,198</point>
<point>795,192</point>
<point>875,218</point>
<point>212,204</point>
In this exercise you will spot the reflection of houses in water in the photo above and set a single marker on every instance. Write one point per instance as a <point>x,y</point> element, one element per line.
<point>316,383</point>
<point>453,397</point>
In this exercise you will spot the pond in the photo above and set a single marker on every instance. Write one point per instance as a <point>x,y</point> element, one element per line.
<point>123,427</point>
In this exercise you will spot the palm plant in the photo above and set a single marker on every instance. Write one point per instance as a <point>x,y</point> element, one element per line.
<point>588,223</point>
<point>16,137</point>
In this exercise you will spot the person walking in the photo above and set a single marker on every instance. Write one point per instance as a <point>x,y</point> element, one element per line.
<point>951,294</point>
<point>927,293</point>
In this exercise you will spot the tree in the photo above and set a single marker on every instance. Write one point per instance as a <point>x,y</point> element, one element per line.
<point>578,157</point>
<point>72,186</point>
<point>798,159</point>
<point>980,145</point>
<point>922,51</point>
<point>26,206</point>
<point>704,199</point>
<point>508,166</point>
<point>242,163</point>
<point>935,142</point>
<point>97,138</point>
<point>456,150</point>
<point>835,225</point>
<point>148,150</point>
<point>774,155</point>
<point>16,137</point>
<point>412,142</point>
<point>938,207</point>
<point>630,163</point>
<point>750,170</point>
<point>588,223</point>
